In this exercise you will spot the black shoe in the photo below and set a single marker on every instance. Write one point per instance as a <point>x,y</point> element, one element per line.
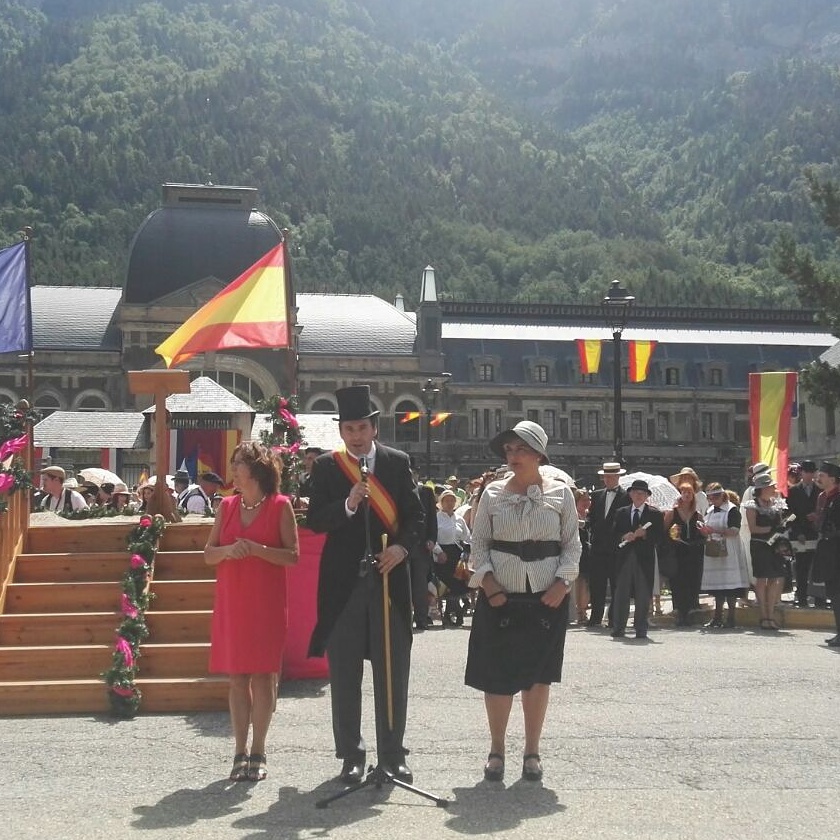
<point>617,634</point>
<point>352,771</point>
<point>420,626</point>
<point>399,770</point>
<point>534,771</point>
<point>715,623</point>
<point>592,623</point>
<point>496,773</point>
<point>833,642</point>
<point>641,634</point>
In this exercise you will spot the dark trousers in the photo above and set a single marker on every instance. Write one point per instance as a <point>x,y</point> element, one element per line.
<point>359,630</point>
<point>832,591</point>
<point>631,582</point>
<point>420,565</point>
<point>803,560</point>
<point>601,572</point>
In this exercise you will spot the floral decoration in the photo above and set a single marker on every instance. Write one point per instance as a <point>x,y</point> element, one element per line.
<point>15,423</point>
<point>285,439</point>
<point>123,693</point>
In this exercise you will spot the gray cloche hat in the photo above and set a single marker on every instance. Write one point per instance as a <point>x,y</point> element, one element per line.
<point>528,432</point>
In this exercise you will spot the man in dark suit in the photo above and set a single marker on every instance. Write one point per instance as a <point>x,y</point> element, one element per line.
<point>802,501</point>
<point>310,454</point>
<point>420,556</point>
<point>351,610</point>
<point>637,530</point>
<point>600,519</point>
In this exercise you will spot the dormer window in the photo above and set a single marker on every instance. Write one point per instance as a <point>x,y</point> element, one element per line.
<point>541,373</point>
<point>486,373</point>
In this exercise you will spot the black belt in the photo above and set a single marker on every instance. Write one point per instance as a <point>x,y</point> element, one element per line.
<point>528,550</point>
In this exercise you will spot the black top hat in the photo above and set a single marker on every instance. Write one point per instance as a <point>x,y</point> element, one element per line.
<point>808,466</point>
<point>354,403</point>
<point>639,484</point>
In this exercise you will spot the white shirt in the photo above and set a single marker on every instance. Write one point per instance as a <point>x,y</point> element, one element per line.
<point>370,459</point>
<point>56,505</point>
<point>452,529</point>
<point>197,501</point>
<point>538,515</point>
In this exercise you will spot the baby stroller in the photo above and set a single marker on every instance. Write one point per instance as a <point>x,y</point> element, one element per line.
<point>452,575</point>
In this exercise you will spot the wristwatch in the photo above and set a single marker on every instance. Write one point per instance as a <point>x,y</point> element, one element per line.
<point>567,582</point>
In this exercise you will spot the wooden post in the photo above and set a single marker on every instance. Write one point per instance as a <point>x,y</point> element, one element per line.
<point>161,383</point>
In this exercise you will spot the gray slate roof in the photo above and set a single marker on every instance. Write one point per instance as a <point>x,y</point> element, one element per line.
<point>75,318</point>
<point>206,397</point>
<point>353,325</point>
<point>92,430</point>
<point>832,355</point>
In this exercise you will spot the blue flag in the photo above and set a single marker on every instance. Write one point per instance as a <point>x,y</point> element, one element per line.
<point>15,332</point>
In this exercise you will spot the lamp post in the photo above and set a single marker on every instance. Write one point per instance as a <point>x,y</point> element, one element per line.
<point>430,393</point>
<point>616,305</point>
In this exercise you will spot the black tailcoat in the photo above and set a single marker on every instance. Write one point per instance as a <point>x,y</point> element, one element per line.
<point>345,545</point>
<point>645,548</point>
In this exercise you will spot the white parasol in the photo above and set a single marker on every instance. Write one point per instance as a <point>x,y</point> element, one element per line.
<point>663,494</point>
<point>100,476</point>
<point>170,481</point>
<point>550,471</point>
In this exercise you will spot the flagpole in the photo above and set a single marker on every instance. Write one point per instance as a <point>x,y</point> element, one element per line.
<point>291,315</point>
<point>27,233</point>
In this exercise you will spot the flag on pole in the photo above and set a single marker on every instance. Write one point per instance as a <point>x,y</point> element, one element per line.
<point>252,311</point>
<point>15,319</point>
<point>640,353</point>
<point>440,418</point>
<point>409,416</point>
<point>589,353</point>
<point>772,396</point>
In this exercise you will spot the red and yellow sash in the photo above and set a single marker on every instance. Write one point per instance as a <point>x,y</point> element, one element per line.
<point>380,499</point>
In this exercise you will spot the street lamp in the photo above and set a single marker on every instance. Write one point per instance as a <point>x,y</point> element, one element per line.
<point>616,305</point>
<point>430,393</point>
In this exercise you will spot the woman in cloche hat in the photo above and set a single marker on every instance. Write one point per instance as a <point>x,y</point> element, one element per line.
<point>525,551</point>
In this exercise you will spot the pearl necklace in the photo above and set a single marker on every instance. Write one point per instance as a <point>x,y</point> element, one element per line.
<point>250,507</point>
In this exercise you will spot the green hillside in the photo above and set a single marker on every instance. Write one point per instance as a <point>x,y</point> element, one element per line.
<point>530,151</point>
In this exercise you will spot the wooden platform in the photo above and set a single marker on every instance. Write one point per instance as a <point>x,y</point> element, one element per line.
<point>62,609</point>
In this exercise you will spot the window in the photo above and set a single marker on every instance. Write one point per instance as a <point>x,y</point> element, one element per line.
<point>474,423</point>
<point>541,373</point>
<point>92,402</point>
<point>593,431</point>
<point>324,405</point>
<point>636,425</point>
<point>682,431</point>
<point>663,425</point>
<point>723,425</point>
<point>576,432</point>
<point>830,428</point>
<point>707,429</point>
<point>672,376</point>
<point>564,428</point>
<point>550,422</point>
<point>533,415</point>
<point>497,421</point>
<point>588,378</point>
<point>716,377</point>
<point>485,373</point>
<point>407,424</point>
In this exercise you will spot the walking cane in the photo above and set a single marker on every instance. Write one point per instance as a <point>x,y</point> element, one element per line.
<point>386,610</point>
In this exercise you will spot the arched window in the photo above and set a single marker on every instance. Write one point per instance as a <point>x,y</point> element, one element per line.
<point>323,405</point>
<point>408,420</point>
<point>47,403</point>
<point>91,400</point>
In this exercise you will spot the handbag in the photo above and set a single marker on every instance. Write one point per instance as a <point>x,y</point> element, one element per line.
<point>716,548</point>
<point>462,570</point>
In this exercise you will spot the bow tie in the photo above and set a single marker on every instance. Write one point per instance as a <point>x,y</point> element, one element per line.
<point>717,510</point>
<point>611,490</point>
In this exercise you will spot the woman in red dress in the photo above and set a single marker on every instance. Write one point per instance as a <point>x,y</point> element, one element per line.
<point>253,540</point>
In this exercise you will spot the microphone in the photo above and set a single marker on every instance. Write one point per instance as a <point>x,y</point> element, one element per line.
<point>363,468</point>
<point>623,543</point>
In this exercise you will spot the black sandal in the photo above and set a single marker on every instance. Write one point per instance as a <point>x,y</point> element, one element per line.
<point>257,770</point>
<point>239,772</point>
<point>532,774</point>
<point>494,774</point>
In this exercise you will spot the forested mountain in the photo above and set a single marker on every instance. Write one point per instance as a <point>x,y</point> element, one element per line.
<point>530,150</point>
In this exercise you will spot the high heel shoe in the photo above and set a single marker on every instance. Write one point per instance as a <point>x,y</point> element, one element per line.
<point>239,771</point>
<point>494,772</point>
<point>534,772</point>
<point>257,770</point>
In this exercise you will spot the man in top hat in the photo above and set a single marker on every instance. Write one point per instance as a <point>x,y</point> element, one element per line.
<point>58,498</point>
<point>637,530</point>
<point>351,612</point>
<point>605,502</point>
<point>802,501</point>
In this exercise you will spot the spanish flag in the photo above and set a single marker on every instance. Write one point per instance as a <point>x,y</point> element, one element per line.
<point>640,353</point>
<point>252,311</point>
<point>409,416</point>
<point>589,353</point>
<point>440,418</point>
<point>772,396</point>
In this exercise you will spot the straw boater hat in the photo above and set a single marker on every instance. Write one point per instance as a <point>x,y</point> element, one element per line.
<point>611,468</point>
<point>686,476</point>
<point>528,432</point>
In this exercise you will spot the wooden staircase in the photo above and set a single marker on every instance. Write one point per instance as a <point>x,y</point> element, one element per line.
<point>62,608</point>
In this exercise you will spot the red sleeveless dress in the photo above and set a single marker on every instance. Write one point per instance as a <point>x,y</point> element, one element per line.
<point>250,612</point>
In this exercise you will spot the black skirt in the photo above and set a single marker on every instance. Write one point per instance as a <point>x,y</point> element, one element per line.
<point>517,645</point>
<point>766,563</point>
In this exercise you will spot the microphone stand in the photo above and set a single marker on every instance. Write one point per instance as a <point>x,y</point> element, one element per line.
<point>379,776</point>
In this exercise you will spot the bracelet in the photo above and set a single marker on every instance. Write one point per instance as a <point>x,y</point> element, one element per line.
<point>495,594</point>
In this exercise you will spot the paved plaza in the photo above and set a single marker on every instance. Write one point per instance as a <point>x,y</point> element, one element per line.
<point>693,734</point>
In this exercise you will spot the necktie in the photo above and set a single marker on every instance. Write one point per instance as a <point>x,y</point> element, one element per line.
<point>635,518</point>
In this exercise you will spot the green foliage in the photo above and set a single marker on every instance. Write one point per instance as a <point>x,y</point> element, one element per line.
<point>528,149</point>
